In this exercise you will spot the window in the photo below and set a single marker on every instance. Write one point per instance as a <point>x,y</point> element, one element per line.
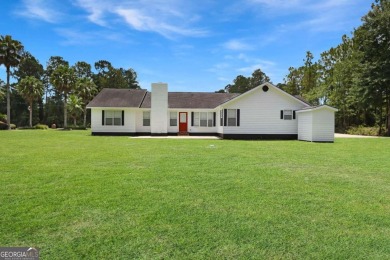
<point>203,119</point>
<point>221,118</point>
<point>173,119</point>
<point>287,114</point>
<point>146,118</point>
<point>196,119</point>
<point>113,117</point>
<point>232,117</point>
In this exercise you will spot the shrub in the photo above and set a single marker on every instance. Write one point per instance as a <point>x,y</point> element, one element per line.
<point>364,130</point>
<point>3,126</point>
<point>3,118</point>
<point>75,127</point>
<point>41,126</point>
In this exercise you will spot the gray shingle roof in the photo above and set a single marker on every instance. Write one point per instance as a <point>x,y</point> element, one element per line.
<point>110,97</point>
<point>195,100</point>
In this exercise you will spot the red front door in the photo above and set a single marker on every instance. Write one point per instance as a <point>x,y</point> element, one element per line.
<point>183,122</point>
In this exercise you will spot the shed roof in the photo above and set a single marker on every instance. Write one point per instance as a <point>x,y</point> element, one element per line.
<point>312,108</point>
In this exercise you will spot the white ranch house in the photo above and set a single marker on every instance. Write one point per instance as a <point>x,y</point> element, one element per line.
<point>265,112</point>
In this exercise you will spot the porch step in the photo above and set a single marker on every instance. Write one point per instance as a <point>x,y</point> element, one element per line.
<point>183,133</point>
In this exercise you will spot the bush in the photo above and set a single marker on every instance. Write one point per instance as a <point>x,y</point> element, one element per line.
<point>3,126</point>
<point>3,118</point>
<point>41,126</point>
<point>75,127</point>
<point>364,130</point>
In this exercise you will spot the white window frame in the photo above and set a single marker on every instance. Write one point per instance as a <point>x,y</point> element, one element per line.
<point>204,119</point>
<point>146,118</point>
<point>231,121</point>
<point>288,114</point>
<point>113,117</point>
<point>173,119</point>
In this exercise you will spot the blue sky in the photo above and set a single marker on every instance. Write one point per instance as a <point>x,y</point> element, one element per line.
<point>191,45</point>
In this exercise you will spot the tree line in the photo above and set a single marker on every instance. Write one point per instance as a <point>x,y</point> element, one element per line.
<point>50,94</point>
<point>353,76</point>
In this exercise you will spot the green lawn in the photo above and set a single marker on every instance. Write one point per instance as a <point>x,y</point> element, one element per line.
<point>74,195</point>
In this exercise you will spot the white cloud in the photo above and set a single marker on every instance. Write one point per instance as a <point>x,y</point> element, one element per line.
<point>143,22</point>
<point>75,37</point>
<point>40,10</point>
<point>237,45</point>
<point>96,10</point>
<point>168,18</point>
<point>315,16</point>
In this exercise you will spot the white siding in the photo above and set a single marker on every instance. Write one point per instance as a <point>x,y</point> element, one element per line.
<point>175,129</point>
<point>192,129</point>
<point>323,125</point>
<point>305,126</point>
<point>260,113</point>
<point>159,110</point>
<point>96,121</point>
<point>202,129</point>
<point>139,122</point>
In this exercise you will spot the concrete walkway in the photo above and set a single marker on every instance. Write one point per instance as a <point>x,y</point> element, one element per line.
<point>353,136</point>
<point>217,138</point>
<point>177,137</point>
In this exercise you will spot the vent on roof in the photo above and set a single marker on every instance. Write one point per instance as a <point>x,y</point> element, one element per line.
<point>265,88</point>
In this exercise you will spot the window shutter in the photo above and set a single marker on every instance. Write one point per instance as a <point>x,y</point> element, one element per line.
<point>294,114</point>
<point>102,117</point>
<point>192,118</point>
<point>214,118</point>
<point>225,117</point>
<point>281,114</point>
<point>123,117</point>
<point>238,117</point>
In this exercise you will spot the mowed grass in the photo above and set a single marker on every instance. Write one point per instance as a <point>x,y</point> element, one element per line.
<point>74,195</point>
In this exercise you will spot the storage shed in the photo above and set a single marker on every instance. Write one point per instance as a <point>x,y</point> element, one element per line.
<point>316,124</point>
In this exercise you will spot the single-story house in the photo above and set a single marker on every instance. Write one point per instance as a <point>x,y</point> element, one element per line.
<point>265,112</point>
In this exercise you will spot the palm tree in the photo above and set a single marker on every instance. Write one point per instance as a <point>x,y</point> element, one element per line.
<point>10,56</point>
<point>31,89</point>
<point>86,90</point>
<point>64,80</point>
<point>75,107</point>
<point>2,94</point>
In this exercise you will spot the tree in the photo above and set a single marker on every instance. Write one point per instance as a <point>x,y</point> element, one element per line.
<point>258,78</point>
<point>74,105</point>
<point>242,84</point>
<point>372,40</point>
<point>31,89</point>
<point>64,79</point>
<point>309,80</point>
<point>86,90</point>
<point>10,56</point>
<point>110,77</point>
<point>293,82</point>
<point>2,86</point>
<point>30,66</point>
<point>83,69</point>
